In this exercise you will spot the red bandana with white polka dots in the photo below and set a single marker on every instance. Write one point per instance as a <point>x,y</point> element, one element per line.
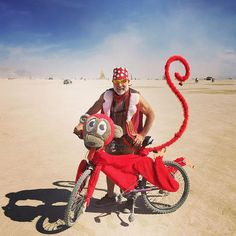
<point>120,73</point>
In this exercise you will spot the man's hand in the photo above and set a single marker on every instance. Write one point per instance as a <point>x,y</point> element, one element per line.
<point>138,140</point>
<point>78,130</point>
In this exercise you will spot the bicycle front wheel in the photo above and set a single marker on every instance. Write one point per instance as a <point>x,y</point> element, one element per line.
<point>77,198</point>
<point>161,201</point>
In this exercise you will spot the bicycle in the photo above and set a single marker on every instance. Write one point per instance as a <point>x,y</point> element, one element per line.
<point>156,199</point>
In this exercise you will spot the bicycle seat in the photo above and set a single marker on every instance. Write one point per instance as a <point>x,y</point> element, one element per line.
<point>147,141</point>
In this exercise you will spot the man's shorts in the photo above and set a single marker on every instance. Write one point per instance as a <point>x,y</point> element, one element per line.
<point>119,146</point>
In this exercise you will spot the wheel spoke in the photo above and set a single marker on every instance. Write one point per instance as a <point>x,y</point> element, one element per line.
<point>77,199</point>
<point>162,201</point>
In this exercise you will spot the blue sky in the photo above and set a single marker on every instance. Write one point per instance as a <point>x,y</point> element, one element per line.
<point>79,38</point>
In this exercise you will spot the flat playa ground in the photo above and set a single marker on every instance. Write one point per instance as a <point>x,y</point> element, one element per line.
<point>39,158</point>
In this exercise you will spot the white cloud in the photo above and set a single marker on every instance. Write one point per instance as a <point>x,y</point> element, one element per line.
<point>127,48</point>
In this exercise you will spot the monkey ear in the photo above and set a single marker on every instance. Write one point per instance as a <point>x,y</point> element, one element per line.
<point>83,118</point>
<point>118,131</point>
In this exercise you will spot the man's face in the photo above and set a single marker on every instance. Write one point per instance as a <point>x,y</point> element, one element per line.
<point>121,86</point>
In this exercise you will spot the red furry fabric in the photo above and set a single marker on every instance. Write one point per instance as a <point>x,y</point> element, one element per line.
<point>81,169</point>
<point>181,79</point>
<point>123,170</point>
<point>92,183</point>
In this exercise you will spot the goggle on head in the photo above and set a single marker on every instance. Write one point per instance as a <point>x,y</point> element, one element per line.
<point>99,130</point>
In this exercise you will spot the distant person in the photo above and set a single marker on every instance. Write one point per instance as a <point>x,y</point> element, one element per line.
<point>126,107</point>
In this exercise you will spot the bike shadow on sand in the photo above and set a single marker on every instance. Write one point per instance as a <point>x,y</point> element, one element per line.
<point>117,209</point>
<point>105,211</point>
<point>48,206</point>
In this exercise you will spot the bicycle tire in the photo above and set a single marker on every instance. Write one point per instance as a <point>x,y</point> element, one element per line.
<point>158,200</point>
<point>77,199</point>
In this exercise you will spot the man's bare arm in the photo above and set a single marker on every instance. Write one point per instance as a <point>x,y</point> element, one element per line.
<point>146,109</point>
<point>96,107</point>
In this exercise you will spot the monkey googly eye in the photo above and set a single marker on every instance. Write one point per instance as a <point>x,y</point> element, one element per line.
<point>102,127</point>
<point>90,125</point>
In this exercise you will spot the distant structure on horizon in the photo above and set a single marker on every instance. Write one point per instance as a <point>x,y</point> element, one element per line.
<point>102,75</point>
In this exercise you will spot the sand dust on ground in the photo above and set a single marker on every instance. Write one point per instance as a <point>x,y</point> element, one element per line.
<point>39,158</point>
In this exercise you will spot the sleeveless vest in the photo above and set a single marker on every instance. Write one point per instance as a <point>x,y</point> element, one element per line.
<point>124,110</point>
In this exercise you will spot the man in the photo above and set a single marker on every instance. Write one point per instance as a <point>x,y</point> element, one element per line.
<point>126,108</point>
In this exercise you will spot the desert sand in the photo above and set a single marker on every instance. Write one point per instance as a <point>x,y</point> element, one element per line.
<point>39,157</point>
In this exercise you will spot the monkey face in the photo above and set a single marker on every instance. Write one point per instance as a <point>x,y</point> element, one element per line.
<point>96,132</point>
<point>99,130</point>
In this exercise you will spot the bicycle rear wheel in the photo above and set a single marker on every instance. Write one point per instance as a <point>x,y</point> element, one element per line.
<point>76,201</point>
<point>161,201</point>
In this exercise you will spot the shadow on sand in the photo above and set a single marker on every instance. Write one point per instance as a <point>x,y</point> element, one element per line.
<point>48,205</point>
<point>117,209</point>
